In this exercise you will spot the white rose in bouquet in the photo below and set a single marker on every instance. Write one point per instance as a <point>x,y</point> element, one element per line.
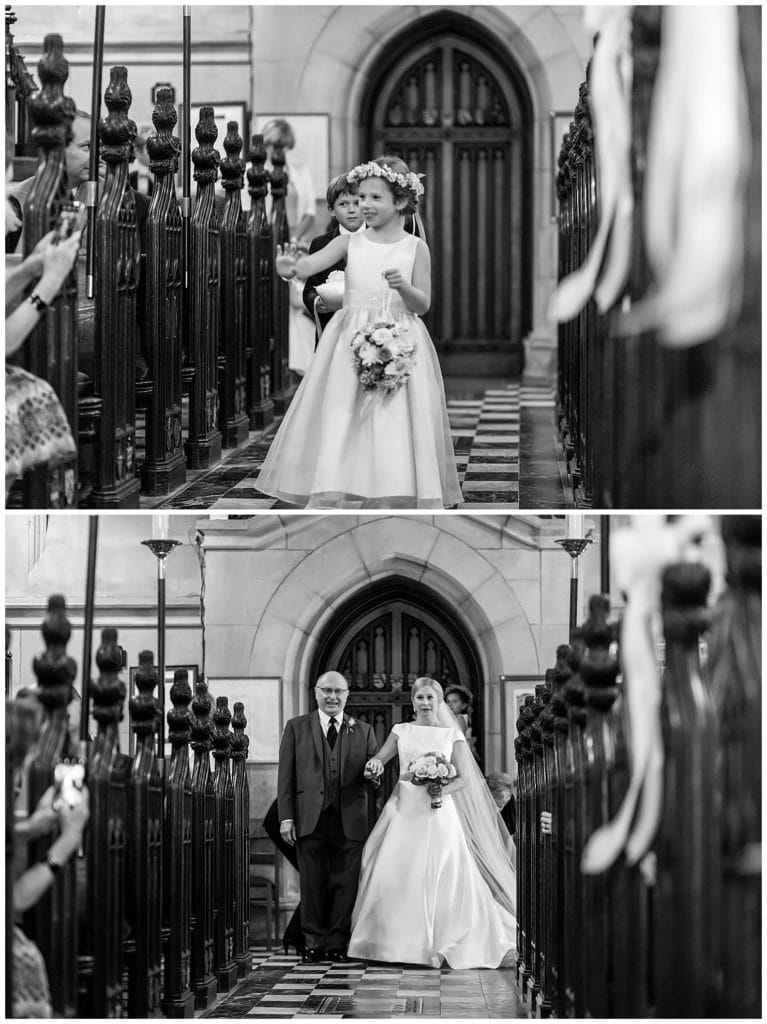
<point>382,336</point>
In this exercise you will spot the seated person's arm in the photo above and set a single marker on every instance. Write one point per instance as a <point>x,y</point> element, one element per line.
<point>37,879</point>
<point>57,261</point>
<point>23,273</point>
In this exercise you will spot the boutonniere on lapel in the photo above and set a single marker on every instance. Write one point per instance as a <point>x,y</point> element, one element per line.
<point>350,723</point>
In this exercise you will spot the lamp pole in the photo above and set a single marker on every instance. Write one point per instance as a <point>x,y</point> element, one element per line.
<point>574,544</point>
<point>161,546</point>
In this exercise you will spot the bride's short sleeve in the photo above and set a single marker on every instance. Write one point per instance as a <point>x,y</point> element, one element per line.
<point>397,729</point>
<point>458,736</point>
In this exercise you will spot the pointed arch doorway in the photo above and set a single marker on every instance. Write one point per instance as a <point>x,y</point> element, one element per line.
<point>381,641</point>
<point>448,100</point>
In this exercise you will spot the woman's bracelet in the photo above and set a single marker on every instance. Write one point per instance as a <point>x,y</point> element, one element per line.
<point>53,865</point>
<point>40,304</point>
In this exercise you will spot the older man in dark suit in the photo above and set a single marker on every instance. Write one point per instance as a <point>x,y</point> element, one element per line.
<point>323,809</point>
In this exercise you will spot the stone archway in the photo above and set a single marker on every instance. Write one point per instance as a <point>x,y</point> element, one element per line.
<point>441,558</point>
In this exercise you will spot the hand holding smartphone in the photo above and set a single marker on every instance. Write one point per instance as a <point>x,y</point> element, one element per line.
<point>72,218</point>
<point>68,784</point>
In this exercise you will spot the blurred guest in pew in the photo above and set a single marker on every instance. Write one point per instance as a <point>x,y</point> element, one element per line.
<point>500,785</point>
<point>301,200</point>
<point>36,427</point>
<point>76,163</point>
<point>301,210</point>
<point>77,167</point>
<point>139,178</point>
<point>31,995</point>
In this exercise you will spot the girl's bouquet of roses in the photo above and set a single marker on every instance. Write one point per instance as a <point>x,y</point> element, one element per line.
<point>383,355</point>
<point>433,771</point>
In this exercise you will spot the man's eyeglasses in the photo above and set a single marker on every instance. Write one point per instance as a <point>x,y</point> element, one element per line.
<point>326,692</point>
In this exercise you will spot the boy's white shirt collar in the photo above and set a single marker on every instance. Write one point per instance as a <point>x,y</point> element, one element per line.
<point>345,231</point>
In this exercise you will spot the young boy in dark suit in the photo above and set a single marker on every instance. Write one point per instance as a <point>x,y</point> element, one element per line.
<point>344,206</point>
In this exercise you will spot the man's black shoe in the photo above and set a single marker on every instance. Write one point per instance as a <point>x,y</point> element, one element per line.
<point>313,956</point>
<point>338,956</point>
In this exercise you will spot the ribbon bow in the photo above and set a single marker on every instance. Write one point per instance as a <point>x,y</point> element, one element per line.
<point>641,555</point>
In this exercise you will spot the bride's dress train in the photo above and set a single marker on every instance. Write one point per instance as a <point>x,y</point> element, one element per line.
<point>421,896</point>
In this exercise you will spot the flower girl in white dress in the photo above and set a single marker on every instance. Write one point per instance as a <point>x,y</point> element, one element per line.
<point>339,445</point>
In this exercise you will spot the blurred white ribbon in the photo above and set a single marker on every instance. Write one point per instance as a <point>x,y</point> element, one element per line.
<point>610,103</point>
<point>698,157</point>
<point>641,553</point>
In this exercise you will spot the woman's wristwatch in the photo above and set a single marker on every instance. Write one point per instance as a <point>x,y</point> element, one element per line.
<point>40,304</point>
<point>54,866</point>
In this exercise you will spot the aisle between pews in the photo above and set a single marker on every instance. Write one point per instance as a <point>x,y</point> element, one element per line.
<point>504,438</point>
<point>280,986</point>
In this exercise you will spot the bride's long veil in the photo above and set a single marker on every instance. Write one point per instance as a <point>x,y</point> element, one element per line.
<point>485,831</point>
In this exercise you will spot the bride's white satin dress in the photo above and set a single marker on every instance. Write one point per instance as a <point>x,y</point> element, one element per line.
<point>421,897</point>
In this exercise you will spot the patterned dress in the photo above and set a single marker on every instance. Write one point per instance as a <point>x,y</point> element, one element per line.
<point>36,427</point>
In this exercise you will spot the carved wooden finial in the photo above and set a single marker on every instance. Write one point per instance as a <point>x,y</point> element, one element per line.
<point>50,110</point>
<point>205,156</point>
<point>54,669</point>
<point>525,725</point>
<point>542,698</point>
<point>117,131</point>
<point>258,176</point>
<point>518,749</point>
<point>108,690</point>
<point>278,178</point>
<point>179,717</point>
<point>222,736</point>
<point>144,706</point>
<point>684,592</point>
<point>599,668</point>
<point>233,167</point>
<point>574,690</point>
<point>163,146</point>
<point>562,673</point>
<point>202,726</point>
<point>240,741</point>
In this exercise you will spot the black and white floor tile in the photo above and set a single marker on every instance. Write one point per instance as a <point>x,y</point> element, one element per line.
<point>505,447</point>
<point>280,986</point>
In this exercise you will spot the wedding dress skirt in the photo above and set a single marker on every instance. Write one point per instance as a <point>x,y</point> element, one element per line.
<point>339,448</point>
<point>421,898</point>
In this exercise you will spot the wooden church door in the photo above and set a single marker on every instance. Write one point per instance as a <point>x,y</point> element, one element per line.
<point>381,654</point>
<point>452,112</point>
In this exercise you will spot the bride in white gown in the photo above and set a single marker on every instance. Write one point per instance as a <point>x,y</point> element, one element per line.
<point>436,884</point>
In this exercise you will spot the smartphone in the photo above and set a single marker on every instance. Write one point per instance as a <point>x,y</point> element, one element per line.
<point>69,219</point>
<point>68,781</point>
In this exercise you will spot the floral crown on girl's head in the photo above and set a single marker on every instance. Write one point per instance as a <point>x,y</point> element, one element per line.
<point>409,181</point>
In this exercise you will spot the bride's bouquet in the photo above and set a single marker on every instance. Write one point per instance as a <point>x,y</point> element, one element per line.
<point>384,356</point>
<point>433,771</point>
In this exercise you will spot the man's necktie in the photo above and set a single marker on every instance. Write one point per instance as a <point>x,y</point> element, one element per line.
<point>332,733</point>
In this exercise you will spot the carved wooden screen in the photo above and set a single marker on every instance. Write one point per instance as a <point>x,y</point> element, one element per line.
<point>450,110</point>
<point>381,654</point>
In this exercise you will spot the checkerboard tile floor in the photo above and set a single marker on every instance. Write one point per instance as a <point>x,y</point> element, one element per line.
<point>281,986</point>
<point>486,431</point>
